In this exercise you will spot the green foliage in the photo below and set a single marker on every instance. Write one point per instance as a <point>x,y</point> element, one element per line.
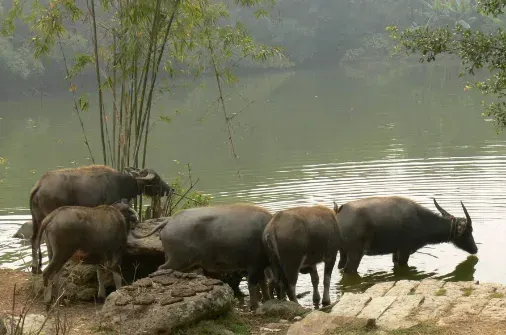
<point>475,48</point>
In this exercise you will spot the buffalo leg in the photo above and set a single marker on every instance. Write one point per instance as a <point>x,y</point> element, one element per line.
<point>353,261</point>
<point>403,257</point>
<point>327,275</point>
<point>253,280</point>
<point>291,273</point>
<point>315,280</point>
<point>101,280</point>
<point>395,257</point>
<point>343,256</point>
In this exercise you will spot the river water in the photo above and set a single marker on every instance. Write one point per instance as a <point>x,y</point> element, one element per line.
<point>310,136</point>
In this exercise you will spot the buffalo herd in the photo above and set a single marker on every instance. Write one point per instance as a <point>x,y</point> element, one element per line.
<point>87,210</point>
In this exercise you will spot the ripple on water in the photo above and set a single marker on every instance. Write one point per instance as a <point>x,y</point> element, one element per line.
<point>477,181</point>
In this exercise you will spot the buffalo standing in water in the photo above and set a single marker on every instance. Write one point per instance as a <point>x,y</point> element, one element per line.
<point>296,240</point>
<point>88,186</point>
<point>398,226</point>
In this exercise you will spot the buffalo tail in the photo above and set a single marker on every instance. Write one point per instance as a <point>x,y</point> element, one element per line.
<point>154,230</point>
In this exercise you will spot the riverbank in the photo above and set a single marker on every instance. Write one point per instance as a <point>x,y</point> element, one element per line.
<point>404,307</point>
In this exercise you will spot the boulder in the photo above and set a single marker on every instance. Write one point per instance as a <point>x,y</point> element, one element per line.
<point>281,308</point>
<point>164,301</point>
<point>79,282</point>
<point>320,323</point>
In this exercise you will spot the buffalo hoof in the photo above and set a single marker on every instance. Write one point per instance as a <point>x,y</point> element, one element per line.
<point>36,271</point>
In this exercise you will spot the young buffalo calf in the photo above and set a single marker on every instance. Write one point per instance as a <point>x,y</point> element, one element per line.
<point>296,240</point>
<point>98,232</point>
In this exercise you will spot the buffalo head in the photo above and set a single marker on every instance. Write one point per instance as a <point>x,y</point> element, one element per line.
<point>461,229</point>
<point>128,212</point>
<point>149,182</point>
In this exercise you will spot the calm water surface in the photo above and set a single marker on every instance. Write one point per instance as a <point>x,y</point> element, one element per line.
<point>310,136</point>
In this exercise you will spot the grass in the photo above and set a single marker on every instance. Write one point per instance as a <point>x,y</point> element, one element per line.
<point>496,295</point>
<point>440,292</point>
<point>467,291</point>
<point>232,322</point>
<point>420,329</point>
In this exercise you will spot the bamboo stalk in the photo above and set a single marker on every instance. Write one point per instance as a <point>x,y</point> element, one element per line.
<point>97,69</point>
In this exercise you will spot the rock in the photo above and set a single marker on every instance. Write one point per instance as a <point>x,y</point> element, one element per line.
<point>320,323</point>
<point>3,329</point>
<point>350,304</point>
<point>281,308</point>
<point>155,308</point>
<point>395,317</point>
<point>150,245</point>
<point>79,282</point>
<point>297,318</point>
<point>25,232</point>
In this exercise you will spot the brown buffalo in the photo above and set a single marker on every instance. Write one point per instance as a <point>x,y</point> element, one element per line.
<point>88,186</point>
<point>296,240</point>
<point>98,232</point>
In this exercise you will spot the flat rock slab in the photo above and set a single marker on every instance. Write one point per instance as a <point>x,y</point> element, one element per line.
<point>403,287</point>
<point>432,308</point>
<point>350,304</point>
<point>164,301</point>
<point>395,316</point>
<point>320,323</point>
<point>380,289</point>
<point>376,307</point>
<point>464,308</point>
<point>429,286</point>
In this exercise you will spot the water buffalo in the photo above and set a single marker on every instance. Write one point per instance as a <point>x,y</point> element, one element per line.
<point>88,186</point>
<point>218,239</point>
<point>98,232</point>
<point>399,226</point>
<point>297,239</point>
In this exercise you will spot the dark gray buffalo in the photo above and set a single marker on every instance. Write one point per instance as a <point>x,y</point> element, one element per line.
<point>88,186</point>
<point>220,239</point>
<point>99,232</point>
<point>398,226</point>
<point>297,239</point>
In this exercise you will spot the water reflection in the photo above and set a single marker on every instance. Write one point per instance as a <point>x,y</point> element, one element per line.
<point>357,283</point>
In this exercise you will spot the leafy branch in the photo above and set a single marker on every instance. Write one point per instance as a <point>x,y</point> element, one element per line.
<point>476,50</point>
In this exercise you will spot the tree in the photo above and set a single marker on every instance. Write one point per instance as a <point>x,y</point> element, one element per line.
<point>133,45</point>
<point>476,49</point>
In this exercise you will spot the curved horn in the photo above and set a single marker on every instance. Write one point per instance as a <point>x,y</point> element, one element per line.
<point>131,171</point>
<point>469,221</point>
<point>149,176</point>
<point>440,209</point>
